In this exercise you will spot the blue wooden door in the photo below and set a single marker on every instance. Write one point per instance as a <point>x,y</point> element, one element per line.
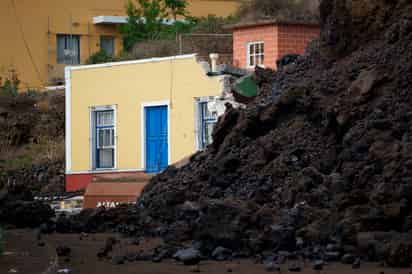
<point>156,139</point>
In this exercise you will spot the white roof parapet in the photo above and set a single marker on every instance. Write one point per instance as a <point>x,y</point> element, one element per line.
<point>109,19</point>
<point>132,62</point>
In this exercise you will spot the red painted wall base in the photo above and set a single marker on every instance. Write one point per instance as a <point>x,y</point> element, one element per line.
<point>75,182</point>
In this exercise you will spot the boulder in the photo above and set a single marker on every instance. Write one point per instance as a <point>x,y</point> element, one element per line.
<point>188,256</point>
<point>221,254</point>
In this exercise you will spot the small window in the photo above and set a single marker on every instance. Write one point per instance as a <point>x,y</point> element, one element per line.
<point>107,44</point>
<point>207,121</point>
<point>68,49</point>
<point>256,54</point>
<point>104,142</point>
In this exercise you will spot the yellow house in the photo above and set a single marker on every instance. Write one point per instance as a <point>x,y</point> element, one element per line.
<point>40,38</point>
<point>136,116</point>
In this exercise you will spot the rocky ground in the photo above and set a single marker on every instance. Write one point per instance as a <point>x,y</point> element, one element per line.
<point>28,253</point>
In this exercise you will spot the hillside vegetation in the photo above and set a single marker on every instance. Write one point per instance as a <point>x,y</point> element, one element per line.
<point>32,141</point>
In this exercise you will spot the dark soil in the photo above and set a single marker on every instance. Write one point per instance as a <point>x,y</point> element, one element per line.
<point>23,254</point>
<point>326,163</point>
<point>28,257</point>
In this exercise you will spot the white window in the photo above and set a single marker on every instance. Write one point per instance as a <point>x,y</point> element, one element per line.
<point>206,123</point>
<point>255,54</point>
<point>68,49</point>
<point>103,139</point>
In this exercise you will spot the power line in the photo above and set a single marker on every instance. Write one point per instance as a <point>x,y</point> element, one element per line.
<point>25,41</point>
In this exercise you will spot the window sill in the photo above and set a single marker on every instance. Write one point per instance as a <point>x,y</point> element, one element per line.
<point>103,169</point>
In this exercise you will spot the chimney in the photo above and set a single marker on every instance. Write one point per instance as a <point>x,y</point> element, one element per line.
<point>213,62</point>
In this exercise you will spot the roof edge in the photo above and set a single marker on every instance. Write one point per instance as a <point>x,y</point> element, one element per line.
<point>270,22</point>
<point>133,62</point>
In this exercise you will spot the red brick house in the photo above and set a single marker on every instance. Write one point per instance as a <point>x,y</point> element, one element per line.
<point>264,42</point>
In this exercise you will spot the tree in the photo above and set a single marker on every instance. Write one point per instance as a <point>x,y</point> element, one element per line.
<point>176,8</point>
<point>146,20</point>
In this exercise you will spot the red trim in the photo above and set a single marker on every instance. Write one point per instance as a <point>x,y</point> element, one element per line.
<point>76,182</point>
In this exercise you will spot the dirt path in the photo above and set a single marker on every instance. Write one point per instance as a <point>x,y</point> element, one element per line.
<point>84,261</point>
<point>27,257</point>
<point>22,254</point>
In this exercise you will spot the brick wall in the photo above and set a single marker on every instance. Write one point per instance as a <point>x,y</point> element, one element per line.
<point>293,39</point>
<point>243,36</point>
<point>279,40</point>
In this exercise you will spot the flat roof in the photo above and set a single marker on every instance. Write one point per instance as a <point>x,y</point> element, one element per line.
<point>265,22</point>
<point>132,62</point>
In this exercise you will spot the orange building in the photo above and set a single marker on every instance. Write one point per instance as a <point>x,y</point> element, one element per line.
<point>39,38</point>
<point>263,43</point>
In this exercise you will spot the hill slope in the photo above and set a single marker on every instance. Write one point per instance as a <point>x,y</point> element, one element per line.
<point>327,161</point>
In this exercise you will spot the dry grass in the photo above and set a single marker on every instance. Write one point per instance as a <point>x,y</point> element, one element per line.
<point>156,48</point>
<point>48,150</point>
<point>291,10</point>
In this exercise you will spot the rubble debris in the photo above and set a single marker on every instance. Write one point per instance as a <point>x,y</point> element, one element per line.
<point>318,265</point>
<point>25,213</point>
<point>107,248</point>
<point>221,254</point>
<point>64,271</point>
<point>325,159</point>
<point>294,268</point>
<point>118,259</point>
<point>286,60</point>
<point>272,267</point>
<point>356,264</point>
<point>188,256</point>
<point>63,251</point>
<point>348,259</point>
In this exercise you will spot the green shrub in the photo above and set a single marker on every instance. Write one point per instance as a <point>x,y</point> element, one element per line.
<point>33,92</point>
<point>10,87</point>
<point>99,57</point>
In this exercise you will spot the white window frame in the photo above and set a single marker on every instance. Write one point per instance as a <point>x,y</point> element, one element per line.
<point>93,140</point>
<point>249,55</point>
<point>198,122</point>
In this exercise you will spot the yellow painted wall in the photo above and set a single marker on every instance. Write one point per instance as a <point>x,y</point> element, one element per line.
<point>128,86</point>
<point>41,20</point>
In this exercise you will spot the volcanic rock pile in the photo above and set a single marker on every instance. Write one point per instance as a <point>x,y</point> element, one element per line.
<point>324,168</point>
